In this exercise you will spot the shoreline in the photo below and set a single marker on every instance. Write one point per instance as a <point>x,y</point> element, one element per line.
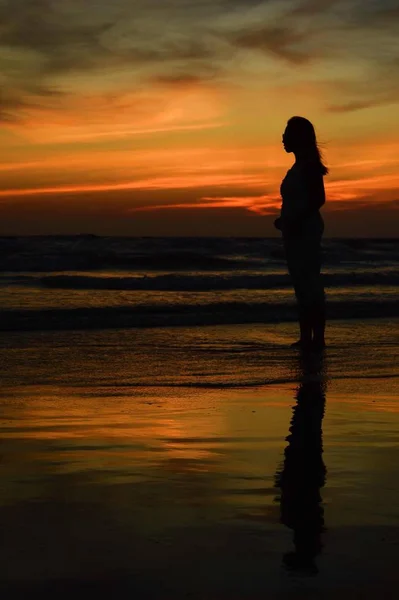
<point>97,319</point>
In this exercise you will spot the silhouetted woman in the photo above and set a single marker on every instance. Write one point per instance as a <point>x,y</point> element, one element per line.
<point>301,224</point>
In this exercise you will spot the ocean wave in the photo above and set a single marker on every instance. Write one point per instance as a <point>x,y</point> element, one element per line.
<point>72,259</point>
<point>86,253</point>
<point>182,315</point>
<point>203,283</point>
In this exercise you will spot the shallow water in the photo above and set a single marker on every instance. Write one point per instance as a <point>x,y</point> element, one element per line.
<point>141,457</point>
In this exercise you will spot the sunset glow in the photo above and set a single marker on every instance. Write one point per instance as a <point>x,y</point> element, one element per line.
<point>130,118</point>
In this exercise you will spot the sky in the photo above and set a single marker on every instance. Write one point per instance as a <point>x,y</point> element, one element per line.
<point>155,117</point>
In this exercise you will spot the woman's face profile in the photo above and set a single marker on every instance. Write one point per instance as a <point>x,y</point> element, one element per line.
<point>286,141</point>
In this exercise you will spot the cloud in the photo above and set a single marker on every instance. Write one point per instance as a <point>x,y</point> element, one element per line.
<point>10,102</point>
<point>45,47</point>
<point>37,43</point>
<point>376,13</point>
<point>266,204</point>
<point>58,42</point>
<point>182,43</point>
<point>282,41</point>
<point>352,190</point>
<point>338,35</point>
<point>313,7</point>
<point>66,40</point>
<point>353,105</point>
<point>222,180</point>
<point>378,87</point>
<point>144,111</point>
<point>184,79</point>
<point>20,99</point>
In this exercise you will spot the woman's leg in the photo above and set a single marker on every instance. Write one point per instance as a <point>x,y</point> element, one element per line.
<point>304,265</point>
<point>319,326</point>
<point>296,262</point>
<point>305,326</point>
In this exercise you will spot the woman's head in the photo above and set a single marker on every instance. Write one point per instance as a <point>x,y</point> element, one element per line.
<point>300,137</point>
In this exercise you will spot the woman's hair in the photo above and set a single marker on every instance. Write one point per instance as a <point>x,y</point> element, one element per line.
<point>302,133</point>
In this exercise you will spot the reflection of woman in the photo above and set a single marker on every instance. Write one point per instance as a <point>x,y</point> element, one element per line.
<point>302,476</point>
<point>302,226</point>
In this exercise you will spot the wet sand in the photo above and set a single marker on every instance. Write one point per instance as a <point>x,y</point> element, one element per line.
<point>278,490</point>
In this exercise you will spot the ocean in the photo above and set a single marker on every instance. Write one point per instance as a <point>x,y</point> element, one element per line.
<point>82,282</point>
<point>160,438</point>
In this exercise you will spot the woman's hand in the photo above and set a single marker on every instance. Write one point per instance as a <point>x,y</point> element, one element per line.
<point>289,227</point>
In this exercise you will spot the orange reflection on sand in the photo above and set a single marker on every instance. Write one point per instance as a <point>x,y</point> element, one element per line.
<point>90,429</point>
<point>384,402</point>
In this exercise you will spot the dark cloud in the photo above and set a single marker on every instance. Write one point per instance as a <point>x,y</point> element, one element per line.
<point>349,11</point>
<point>15,101</point>
<point>376,13</point>
<point>187,41</point>
<point>281,41</point>
<point>63,43</point>
<point>44,45</point>
<point>317,29</point>
<point>353,105</point>
<point>180,79</point>
<point>379,86</point>
<point>167,51</point>
<point>313,7</point>
<point>59,43</point>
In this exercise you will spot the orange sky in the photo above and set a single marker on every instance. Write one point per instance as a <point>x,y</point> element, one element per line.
<point>155,118</point>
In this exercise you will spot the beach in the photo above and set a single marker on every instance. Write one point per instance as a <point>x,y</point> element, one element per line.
<point>199,316</point>
<point>153,462</point>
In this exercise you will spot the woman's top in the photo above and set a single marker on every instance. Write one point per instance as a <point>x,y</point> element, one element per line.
<point>302,192</point>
